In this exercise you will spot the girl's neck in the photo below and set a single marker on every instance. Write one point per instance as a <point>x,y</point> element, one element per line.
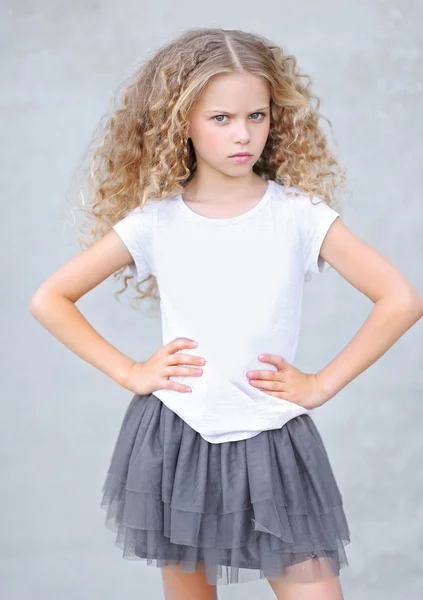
<point>227,208</point>
<point>236,192</point>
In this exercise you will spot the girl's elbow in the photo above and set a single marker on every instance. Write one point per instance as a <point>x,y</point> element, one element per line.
<point>412,302</point>
<point>35,303</point>
<point>420,307</point>
<point>38,301</point>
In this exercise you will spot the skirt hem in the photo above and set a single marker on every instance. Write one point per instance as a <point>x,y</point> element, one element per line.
<point>264,507</point>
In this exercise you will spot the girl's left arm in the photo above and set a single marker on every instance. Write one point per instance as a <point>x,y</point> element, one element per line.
<point>397,307</point>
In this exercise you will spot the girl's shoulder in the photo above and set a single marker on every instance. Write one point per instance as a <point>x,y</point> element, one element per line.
<point>302,205</point>
<point>148,207</point>
<point>147,211</point>
<point>291,191</point>
<point>290,199</point>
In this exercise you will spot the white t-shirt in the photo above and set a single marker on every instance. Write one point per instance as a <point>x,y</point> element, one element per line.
<point>235,286</point>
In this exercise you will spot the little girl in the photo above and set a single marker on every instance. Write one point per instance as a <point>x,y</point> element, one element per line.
<point>215,181</point>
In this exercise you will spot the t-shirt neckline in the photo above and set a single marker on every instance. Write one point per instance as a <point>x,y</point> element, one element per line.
<point>249,213</point>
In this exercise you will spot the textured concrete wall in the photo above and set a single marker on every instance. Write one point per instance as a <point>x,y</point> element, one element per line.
<point>61,62</point>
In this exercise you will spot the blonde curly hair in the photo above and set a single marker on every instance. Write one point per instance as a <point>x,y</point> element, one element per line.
<point>144,151</point>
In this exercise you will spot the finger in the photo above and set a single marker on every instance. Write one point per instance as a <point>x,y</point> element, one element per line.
<point>275,359</point>
<point>270,358</point>
<point>173,385</point>
<point>179,344</point>
<point>266,384</point>
<point>264,374</point>
<point>186,359</point>
<point>278,393</point>
<point>183,372</point>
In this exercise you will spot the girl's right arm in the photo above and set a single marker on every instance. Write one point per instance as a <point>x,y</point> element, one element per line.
<point>53,305</point>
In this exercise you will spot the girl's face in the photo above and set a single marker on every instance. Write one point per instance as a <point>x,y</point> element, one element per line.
<point>231,116</point>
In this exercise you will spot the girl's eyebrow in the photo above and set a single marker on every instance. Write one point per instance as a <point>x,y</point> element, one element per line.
<point>219,110</point>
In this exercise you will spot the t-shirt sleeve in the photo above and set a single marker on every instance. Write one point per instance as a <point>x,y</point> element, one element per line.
<point>313,220</point>
<point>136,230</point>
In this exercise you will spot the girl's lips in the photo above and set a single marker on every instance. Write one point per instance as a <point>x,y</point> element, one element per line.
<point>240,158</point>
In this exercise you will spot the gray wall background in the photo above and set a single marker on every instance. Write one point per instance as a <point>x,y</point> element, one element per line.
<point>60,417</point>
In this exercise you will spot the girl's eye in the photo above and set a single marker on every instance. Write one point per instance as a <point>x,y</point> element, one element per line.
<point>257,113</point>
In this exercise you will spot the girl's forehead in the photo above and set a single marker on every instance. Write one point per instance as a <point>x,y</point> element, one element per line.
<point>232,92</point>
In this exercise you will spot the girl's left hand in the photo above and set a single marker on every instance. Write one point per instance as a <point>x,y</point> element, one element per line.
<point>288,383</point>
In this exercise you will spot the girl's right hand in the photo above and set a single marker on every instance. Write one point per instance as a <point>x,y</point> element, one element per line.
<point>146,377</point>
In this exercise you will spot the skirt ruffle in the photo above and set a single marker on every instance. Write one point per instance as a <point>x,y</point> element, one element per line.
<point>265,507</point>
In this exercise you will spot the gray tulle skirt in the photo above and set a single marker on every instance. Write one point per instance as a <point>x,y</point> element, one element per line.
<point>264,507</point>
